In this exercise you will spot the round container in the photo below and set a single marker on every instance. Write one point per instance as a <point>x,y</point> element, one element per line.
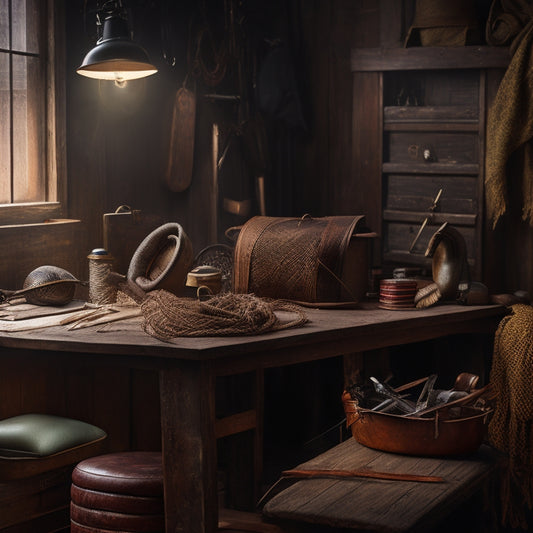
<point>100,265</point>
<point>396,294</point>
<point>205,276</point>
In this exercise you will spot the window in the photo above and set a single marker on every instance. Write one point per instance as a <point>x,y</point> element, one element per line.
<point>30,110</point>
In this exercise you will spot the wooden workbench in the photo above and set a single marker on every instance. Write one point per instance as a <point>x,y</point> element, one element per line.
<point>188,367</point>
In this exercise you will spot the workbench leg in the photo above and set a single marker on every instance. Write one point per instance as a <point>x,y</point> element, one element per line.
<point>189,449</point>
<point>259,431</point>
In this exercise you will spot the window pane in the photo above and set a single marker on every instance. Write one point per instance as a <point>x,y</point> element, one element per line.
<point>4,24</point>
<point>28,131</point>
<point>5,127</point>
<point>26,27</point>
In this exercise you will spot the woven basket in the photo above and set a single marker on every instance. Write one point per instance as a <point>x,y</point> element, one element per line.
<point>308,260</point>
<point>162,260</point>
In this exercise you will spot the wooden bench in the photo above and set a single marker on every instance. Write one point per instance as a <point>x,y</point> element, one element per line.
<point>364,504</point>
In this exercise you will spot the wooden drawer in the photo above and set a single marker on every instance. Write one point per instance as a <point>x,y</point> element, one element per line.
<point>398,236</point>
<point>447,117</point>
<point>405,192</point>
<point>432,88</point>
<point>447,148</point>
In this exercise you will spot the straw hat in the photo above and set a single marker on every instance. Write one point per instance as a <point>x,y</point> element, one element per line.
<point>442,23</point>
<point>162,260</point>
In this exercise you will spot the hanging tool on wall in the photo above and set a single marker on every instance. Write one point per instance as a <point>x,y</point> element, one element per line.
<point>181,147</point>
<point>179,171</point>
<point>429,218</point>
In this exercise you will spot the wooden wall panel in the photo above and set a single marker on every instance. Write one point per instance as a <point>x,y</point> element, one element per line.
<point>362,193</point>
<point>28,246</point>
<point>124,402</point>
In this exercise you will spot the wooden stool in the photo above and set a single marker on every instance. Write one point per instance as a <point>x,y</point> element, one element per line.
<point>118,492</point>
<point>37,455</point>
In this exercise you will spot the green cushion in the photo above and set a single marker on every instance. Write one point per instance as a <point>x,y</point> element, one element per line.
<point>39,435</point>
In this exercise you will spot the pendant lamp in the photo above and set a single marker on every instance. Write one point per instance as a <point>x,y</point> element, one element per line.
<point>115,56</point>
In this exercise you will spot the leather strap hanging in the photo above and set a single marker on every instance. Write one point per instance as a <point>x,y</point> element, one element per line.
<point>181,148</point>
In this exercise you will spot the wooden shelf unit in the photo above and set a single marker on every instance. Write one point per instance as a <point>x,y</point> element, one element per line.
<point>422,113</point>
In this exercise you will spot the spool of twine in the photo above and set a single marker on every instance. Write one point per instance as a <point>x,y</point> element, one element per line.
<point>100,265</point>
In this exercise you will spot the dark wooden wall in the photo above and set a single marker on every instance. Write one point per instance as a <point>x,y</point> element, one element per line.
<point>117,150</point>
<point>117,139</point>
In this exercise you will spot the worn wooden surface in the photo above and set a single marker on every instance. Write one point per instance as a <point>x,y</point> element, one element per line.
<point>327,333</point>
<point>380,505</point>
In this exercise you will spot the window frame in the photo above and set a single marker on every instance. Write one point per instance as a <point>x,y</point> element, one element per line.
<point>54,207</point>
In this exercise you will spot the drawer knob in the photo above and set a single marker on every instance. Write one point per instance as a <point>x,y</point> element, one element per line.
<point>428,156</point>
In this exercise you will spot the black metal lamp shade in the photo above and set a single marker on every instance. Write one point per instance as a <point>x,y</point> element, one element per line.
<point>115,56</point>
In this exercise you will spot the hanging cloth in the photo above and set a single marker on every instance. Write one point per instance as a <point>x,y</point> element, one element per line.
<point>510,132</point>
<point>510,429</point>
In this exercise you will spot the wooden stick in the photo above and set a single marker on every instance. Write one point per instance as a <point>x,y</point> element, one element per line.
<point>346,474</point>
<point>308,474</point>
<point>105,319</point>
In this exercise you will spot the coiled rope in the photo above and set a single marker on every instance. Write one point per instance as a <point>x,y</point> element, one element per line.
<point>167,316</point>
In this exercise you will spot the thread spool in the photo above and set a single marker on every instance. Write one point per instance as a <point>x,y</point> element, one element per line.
<point>100,265</point>
<point>205,276</point>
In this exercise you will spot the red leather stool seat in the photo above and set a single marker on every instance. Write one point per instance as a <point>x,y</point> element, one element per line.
<point>118,503</point>
<point>135,473</point>
<point>118,492</point>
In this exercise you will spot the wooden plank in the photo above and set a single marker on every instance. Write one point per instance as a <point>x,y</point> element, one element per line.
<point>446,89</point>
<point>34,503</point>
<point>461,57</point>
<point>37,237</point>
<point>469,169</point>
<point>405,192</point>
<point>379,505</point>
<point>362,194</point>
<point>431,126</point>
<point>444,148</point>
<point>22,311</point>
<point>417,258</point>
<point>231,520</point>
<point>404,114</point>
<point>459,219</point>
<point>236,423</point>
<point>400,235</point>
<point>37,322</point>
<point>189,445</point>
<point>391,23</point>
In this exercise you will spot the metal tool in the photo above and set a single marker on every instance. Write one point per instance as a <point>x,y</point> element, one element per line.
<point>432,209</point>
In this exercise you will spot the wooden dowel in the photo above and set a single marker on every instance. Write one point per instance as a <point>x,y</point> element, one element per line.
<point>308,474</point>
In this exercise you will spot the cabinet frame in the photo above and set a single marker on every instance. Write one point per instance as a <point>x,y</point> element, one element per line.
<point>369,67</point>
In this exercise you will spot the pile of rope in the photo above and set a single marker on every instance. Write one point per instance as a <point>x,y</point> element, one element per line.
<point>510,429</point>
<point>167,316</point>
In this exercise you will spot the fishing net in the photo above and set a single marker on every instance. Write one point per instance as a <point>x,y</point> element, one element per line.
<point>167,316</point>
